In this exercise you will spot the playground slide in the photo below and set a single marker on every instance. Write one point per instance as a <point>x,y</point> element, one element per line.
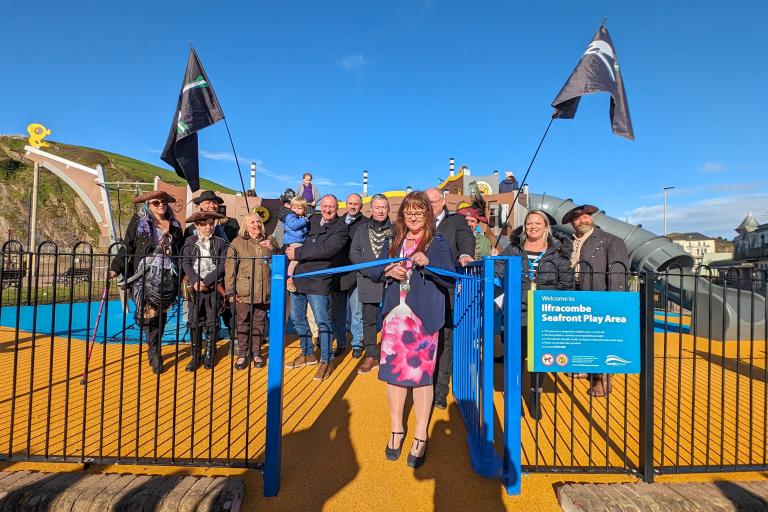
<point>721,312</point>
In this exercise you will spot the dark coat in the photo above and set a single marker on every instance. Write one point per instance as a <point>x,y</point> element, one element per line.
<point>603,263</point>
<point>224,229</point>
<point>125,262</point>
<point>278,235</point>
<point>426,297</point>
<point>554,270</point>
<point>348,280</point>
<point>360,251</point>
<point>508,185</point>
<point>190,255</point>
<point>456,232</point>
<point>323,249</point>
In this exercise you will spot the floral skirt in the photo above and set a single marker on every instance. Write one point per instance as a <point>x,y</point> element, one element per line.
<point>408,352</point>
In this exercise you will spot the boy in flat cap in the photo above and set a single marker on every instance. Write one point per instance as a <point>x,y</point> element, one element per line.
<point>601,263</point>
<point>203,263</point>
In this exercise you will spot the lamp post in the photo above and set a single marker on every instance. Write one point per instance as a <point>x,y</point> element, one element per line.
<point>665,208</point>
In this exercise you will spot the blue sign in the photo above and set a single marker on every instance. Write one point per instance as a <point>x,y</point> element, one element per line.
<point>583,332</point>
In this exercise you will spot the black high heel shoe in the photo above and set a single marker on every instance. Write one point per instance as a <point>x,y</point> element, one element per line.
<point>259,364</point>
<point>243,365</point>
<point>394,453</point>
<point>414,461</point>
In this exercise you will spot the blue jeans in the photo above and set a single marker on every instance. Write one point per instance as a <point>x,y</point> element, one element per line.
<point>341,302</point>
<point>320,305</point>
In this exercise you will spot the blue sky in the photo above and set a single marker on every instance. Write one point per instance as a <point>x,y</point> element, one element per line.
<point>398,87</point>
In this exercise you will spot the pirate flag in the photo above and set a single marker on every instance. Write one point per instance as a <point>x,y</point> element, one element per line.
<point>197,108</point>
<point>598,70</point>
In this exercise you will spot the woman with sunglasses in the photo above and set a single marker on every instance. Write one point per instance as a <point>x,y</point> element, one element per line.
<point>154,227</point>
<point>413,312</point>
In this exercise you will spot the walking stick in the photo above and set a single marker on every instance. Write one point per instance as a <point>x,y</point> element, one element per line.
<point>84,377</point>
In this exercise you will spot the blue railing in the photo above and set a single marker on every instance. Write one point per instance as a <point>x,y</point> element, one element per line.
<point>473,368</point>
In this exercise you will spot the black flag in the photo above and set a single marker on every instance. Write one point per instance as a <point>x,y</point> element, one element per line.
<point>197,108</point>
<point>598,70</point>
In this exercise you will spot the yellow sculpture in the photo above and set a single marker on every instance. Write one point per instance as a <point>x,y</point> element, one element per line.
<point>37,133</point>
<point>263,213</point>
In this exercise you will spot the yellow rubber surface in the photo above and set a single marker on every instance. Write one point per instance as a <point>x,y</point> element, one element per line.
<point>335,431</point>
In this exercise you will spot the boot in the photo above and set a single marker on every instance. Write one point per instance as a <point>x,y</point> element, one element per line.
<point>601,385</point>
<point>210,349</point>
<point>155,357</point>
<point>196,346</point>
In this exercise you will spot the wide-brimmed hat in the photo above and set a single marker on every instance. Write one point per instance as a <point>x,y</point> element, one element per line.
<point>154,194</point>
<point>469,211</point>
<point>579,210</point>
<point>202,216</point>
<point>208,195</point>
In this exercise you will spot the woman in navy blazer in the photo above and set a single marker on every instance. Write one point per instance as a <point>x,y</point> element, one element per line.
<point>414,313</point>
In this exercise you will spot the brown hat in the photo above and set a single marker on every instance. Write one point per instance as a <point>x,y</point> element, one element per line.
<point>201,216</point>
<point>154,194</point>
<point>579,210</point>
<point>208,195</point>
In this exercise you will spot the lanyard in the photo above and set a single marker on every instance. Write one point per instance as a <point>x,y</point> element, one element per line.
<point>532,266</point>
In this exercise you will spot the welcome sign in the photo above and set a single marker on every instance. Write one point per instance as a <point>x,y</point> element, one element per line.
<point>583,332</point>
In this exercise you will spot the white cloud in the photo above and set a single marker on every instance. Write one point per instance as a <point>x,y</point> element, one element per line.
<point>353,62</point>
<point>717,216</point>
<point>712,167</point>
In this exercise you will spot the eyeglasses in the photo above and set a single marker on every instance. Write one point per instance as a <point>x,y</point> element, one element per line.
<point>416,215</point>
<point>158,202</point>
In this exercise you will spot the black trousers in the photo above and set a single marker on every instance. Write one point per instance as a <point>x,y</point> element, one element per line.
<point>203,314</point>
<point>371,317</point>
<point>445,347</point>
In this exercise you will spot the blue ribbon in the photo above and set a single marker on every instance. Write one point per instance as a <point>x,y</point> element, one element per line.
<point>376,263</point>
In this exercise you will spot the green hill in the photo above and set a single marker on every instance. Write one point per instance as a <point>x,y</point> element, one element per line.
<point>62,216</point>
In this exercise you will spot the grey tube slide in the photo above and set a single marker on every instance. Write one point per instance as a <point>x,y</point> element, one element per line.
<point>719,312</point>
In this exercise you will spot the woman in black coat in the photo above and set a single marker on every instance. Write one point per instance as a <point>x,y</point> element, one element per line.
<point>546,265</point>
<point>414,311</point>
<point>154,229</point>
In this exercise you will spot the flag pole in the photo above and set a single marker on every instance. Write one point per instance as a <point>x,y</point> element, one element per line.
<point>523,182</point>
<point>237,162</point>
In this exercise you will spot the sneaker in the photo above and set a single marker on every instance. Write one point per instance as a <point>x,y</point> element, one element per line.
<point>357,353</point>
<point>301,362</point>
<point>321,371</point>
<point>368,364</point>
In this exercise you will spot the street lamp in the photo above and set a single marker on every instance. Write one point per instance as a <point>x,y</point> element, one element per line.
<point>665,208</point>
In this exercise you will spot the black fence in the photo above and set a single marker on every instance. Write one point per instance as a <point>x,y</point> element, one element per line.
<point>698,406</point>
<point>77,380</point>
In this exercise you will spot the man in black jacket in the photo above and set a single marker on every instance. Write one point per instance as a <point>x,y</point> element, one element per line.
<point>322,250</point>
<point>461,240</point>
<point>344,296</point>
<point>601,263</point>
<point>368,245</point>
<point>226,227</point>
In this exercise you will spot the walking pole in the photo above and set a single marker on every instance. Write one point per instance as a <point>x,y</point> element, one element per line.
<point>84,377</point>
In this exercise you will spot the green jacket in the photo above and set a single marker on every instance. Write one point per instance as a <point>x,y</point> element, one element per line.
<point>482,246</point>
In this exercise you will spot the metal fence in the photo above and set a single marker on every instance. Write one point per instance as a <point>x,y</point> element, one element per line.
<point>76,385</point>
<point>699,404</point>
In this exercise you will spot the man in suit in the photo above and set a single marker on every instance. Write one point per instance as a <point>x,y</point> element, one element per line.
<point>601,263</point>
<point>323,249</point>
<point>461,240</point>
<point>344,296</point>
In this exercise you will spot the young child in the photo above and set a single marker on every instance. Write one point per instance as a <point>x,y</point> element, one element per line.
<point>296,227</point>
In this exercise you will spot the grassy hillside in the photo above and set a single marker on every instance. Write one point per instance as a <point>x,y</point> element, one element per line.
<point>62,216</point>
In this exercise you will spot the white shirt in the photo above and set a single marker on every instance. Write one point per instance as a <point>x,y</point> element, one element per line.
<point>207,265</point>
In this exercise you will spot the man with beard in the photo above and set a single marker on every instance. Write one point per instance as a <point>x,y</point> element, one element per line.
<point>367,245</point>
<point>461,240</point>
<point>345,295</point>
<point>601,263</point>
